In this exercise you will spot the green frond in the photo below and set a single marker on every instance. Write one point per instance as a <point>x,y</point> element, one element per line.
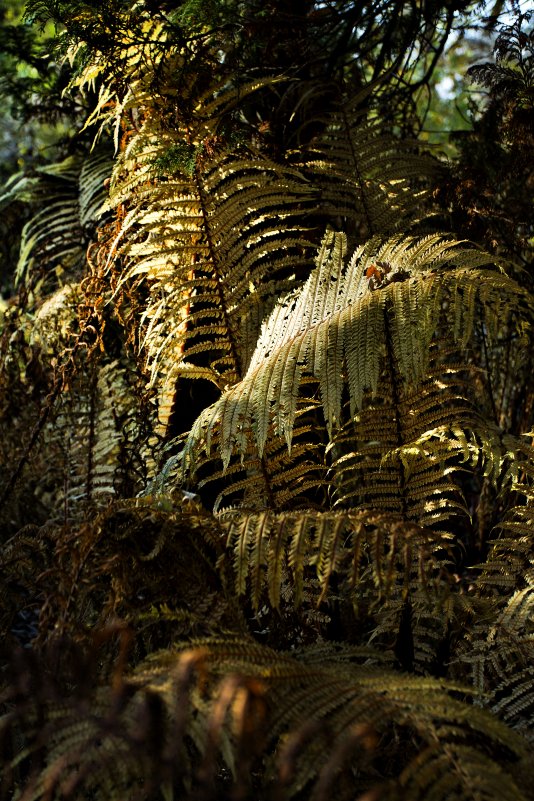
<point>371,468</point>
<point>444,437</point>
<point>377,556</point>
<point>498,652</point>
<point>510,558</point>
<point>339,325</point>
<point>89,753</point>
<point>277,480</point>
<point>86,445</point>
<point>204,246</point>
<point>499,658</point>
<point>68,198</point>
<point>374,181</point>
<point>205,242</point>
<point>474,776</point>
<point>94,174</point>
<point>330,711</point>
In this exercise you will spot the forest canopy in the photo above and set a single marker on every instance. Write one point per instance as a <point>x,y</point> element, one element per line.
<point>267,400</point>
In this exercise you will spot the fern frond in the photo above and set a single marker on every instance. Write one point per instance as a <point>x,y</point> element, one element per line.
<point>69,197</point>
<point>362,707</point>
<point>499,658</point>
<point>367,176</point>
<point>337,325</point>
<point>379,459</point>
<point>498,652</point>
<point>108,749</point>
<point>474,776</point>
<point>87,438</point>
<point>373,554</point>
<point>278,480</point>
<point>203,239</point>
<point>509,561</point>
<point>204,245</point>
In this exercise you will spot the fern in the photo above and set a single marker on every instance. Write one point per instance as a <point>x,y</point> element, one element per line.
<point>337,320</point>
<point>69,197</point>
<point>370,179</point>
<point>92,461</point>
<point>353,617</point>
<point>219,697</point>
<point>374,553</point>
<point>358,705</point>
<point>499,654</point>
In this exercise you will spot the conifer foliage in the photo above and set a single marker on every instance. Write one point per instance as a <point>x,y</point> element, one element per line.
<point>266,391</point>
